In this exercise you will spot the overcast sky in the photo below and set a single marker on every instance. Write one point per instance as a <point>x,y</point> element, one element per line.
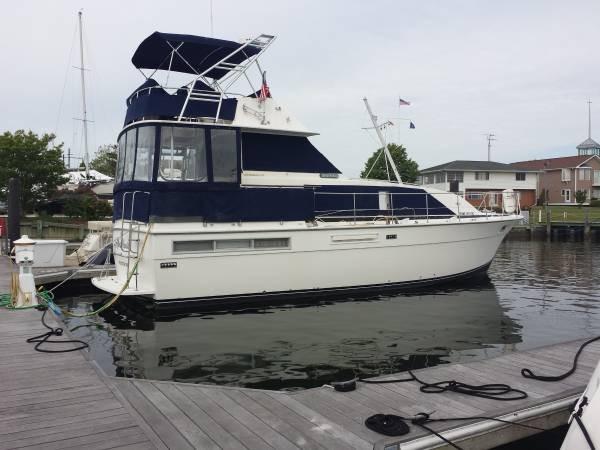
<point>523,70</point>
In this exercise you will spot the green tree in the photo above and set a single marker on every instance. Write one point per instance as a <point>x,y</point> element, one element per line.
<point>87,207</point>
<point>408,169</point>
<point>105,160</point>
<point>36,161</point>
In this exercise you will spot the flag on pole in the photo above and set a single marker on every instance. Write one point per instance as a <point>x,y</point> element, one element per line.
<point>412,126</point>
<point>403,102</point>
<point>264,88</point>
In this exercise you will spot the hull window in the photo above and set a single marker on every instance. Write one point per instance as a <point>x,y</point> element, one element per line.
<point>230,245</point>
<point>183,155</point>
<point>192,246</point>
<point>272,243</point>
<point>145,154</point>
<point>234,244</point>
<point>224,155</point>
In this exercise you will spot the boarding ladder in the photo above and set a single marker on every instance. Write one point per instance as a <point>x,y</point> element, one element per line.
<point>128,243</point>
<point>234,72</point>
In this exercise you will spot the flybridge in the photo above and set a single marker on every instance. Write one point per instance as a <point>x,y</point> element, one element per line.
<point>214,64</point>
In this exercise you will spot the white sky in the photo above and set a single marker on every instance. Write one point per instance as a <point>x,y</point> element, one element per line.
<point>521,69</point>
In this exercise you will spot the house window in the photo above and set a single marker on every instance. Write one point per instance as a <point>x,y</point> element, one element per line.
<point>440,177</point>
<point>474,195</point>
<point>455,176</point>
<point>565,175</point>
<point>585,174</point>
<point>520,176</point>
<point>428,178</point>
<point>482,176</point>
<point>566,195</point>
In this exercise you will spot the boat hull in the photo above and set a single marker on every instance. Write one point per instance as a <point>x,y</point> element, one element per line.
<point>320,260</point>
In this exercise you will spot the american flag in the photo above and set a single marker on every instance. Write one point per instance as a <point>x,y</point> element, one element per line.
<point>403,102</point>
<point>264,89</point>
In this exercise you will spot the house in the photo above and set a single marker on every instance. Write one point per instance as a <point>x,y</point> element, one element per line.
<point>482,182</point>
<point>561,178</point>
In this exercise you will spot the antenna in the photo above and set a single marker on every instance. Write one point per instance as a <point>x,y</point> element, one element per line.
<point>589,119</point>
<point>382,140</point>
<point>86,157</point>
<point>211,19</point>
<point>490,137</point>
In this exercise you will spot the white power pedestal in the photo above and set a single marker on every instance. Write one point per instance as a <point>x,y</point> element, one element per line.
<point>24,257</point>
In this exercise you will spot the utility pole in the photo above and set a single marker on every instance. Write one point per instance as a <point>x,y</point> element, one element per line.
<point>490,137</point>
<point>69,158</point>
<point>86,156</point>
<point>211,19</point>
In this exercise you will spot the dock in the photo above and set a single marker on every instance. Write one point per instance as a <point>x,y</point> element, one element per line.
<point>64,400</point>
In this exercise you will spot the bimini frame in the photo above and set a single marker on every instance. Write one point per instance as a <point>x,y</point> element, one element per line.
<point>221,86</point>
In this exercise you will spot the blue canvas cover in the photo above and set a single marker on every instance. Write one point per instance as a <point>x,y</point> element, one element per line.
<point>201,53</point>
<point>280,153</point>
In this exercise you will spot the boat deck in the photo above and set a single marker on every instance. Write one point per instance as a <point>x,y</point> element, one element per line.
<point>63,400</point>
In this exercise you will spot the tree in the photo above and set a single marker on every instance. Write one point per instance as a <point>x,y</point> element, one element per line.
<point>580,197</point>
<point>105,160</point>
<point>408,169</point>
<point>83,204</point>
<point>36,161</point>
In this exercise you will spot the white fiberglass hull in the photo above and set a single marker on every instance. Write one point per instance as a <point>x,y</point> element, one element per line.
<point>323,258</point>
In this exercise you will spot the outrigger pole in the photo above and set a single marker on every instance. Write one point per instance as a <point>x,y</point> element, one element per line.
<point>382,140</point>
<point>86,156</point>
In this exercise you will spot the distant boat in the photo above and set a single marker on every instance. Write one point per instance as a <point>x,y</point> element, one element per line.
<point>221,196</point>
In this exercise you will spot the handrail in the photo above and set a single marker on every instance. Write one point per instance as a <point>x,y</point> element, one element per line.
<point>426,211</point>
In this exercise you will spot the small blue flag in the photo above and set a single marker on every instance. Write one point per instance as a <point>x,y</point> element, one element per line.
<point>412,126</point>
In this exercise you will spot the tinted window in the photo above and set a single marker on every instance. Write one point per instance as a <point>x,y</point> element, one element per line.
<point>120,159</point>
<point>129,155</point>
<point>145,154</point>
<point>224,155</point>
<point>182,155</point>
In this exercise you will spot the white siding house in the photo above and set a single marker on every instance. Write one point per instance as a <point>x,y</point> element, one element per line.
<point>479,179</point>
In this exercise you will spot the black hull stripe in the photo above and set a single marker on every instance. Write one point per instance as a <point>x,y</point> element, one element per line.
<point>317,293</point>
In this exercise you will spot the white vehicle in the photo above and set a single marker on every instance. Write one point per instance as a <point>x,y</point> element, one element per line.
<point>220,196</point>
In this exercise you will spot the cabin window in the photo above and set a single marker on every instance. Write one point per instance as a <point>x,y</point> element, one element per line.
<point>129,155</point>
<point>182,155</point>
<point>145,154</point>
<point>192,246</point>
<point>120,159</point>
<point>233,244</point>
<point>224,155</point>
<point>272,243</point>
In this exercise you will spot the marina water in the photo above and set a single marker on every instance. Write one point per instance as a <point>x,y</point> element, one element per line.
<point>536,293</point>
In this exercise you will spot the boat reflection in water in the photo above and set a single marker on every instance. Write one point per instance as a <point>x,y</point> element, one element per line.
<point>304,345</point>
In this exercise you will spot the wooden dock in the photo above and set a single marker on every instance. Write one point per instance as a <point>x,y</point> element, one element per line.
<point>64,401</point>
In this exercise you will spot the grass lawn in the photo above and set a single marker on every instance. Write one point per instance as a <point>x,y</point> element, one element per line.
<point>564,213</point>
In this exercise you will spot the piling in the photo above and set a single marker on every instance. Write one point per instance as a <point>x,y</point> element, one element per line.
<point>548,223</point>
<point>14,211</point>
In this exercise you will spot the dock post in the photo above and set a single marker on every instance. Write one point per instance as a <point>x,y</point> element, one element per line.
<point>14,211</point>
<point>587,228</point>
<point>548,223</point>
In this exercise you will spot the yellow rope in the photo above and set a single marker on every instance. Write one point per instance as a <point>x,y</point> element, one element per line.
<point>125,286</point>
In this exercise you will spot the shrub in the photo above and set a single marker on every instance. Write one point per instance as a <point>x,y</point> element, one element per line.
<point>87,207</point>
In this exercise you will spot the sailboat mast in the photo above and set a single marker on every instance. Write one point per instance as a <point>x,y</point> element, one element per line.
<point>382,140</point>
<point>86,155</point>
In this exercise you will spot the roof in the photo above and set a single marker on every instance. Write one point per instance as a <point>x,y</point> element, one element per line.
<point>588,143</point>
<point>553,163</point>
<point>193,55</point>
<point>471,166</point>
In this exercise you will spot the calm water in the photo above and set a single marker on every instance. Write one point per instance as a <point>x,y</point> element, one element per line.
<point>537,293</point>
